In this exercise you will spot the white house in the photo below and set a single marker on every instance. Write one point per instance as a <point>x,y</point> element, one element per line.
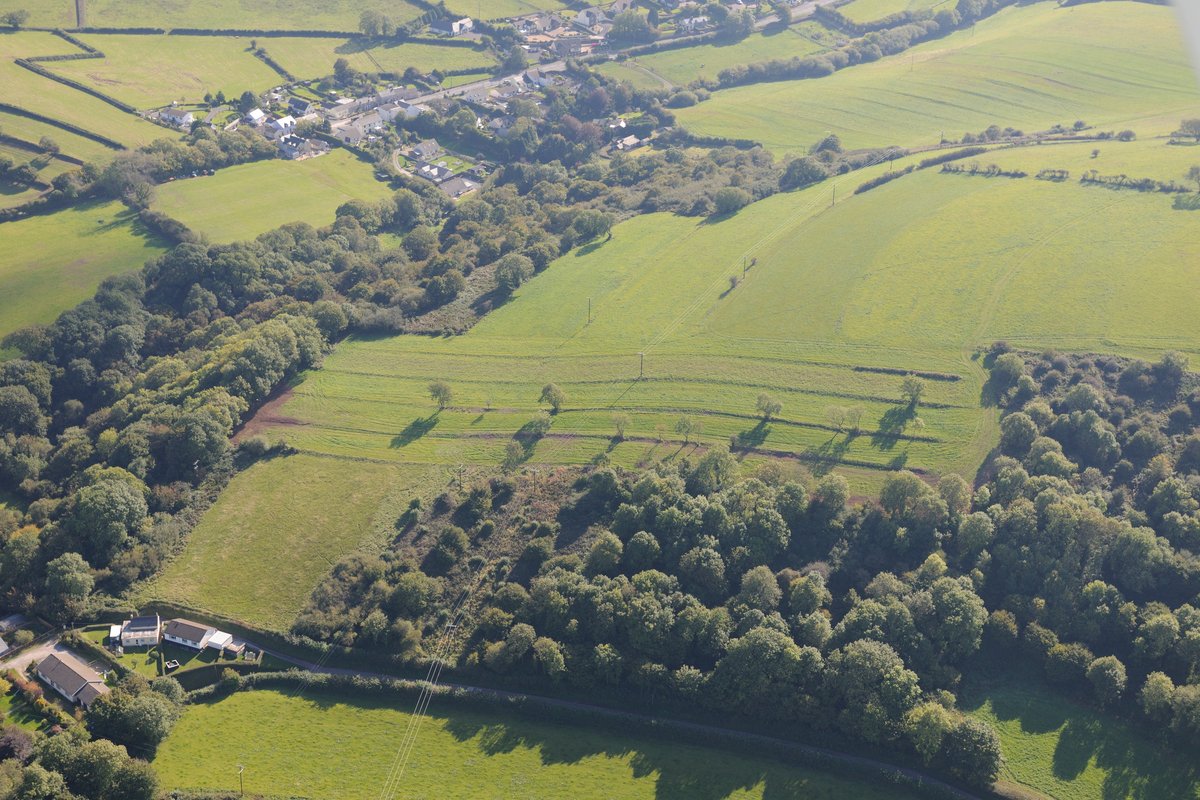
<point>141,631</point>
<point>178,117</point>
<point>452,27</point>
<point>256,117</point>
<point>426,150</point>
<point>71,678</point>
<point>188,633</point>
<point>282,125</point>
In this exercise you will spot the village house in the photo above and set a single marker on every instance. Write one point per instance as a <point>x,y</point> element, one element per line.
<point>188,633</point>
<point>501,126</point>
<point>141,631</point>
<point>434,172</point>
<point>178,117</point>
<point>458,186</point>
<point>593,20</point>
<point>426,150</point>
<point>71,678</point>
<point>452,27</point>
<point>294,147</point>
<point>256,117</point>
<point>401,109</point>
<point>298,106</point>
<point>629,143</point>
<point>281,126</point>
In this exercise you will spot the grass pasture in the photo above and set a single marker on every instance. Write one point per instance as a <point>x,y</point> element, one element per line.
<point>807,325</point>
<point>690,63</point>
<point>72,144</point>
<point>327,746</point>
<point>1061,749</point>
<point>52,99</point>
<point>152,71</point>
<point>307,57</point>
<point>870,10</point>
<point>1115,65</point>
<point>50,263</point>
<point>243,201</point>
<point>278,529</point>
<point>320,15</point>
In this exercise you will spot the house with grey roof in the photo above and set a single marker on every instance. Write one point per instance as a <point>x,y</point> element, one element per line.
<point>141,631</point>
<point>188,633</point>
<point>71,678</point>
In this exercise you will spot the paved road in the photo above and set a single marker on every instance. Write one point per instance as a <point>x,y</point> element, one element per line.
<point>34,653</point>
<point>861,762</point>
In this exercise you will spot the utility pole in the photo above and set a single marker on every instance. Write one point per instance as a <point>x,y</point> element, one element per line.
<point>241,779</point>
<point>834,202</point>
<point>589,311</point>
<point>745,267</point>
<point>641,365</point>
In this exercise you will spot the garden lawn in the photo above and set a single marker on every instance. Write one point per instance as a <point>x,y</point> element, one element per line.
<point>51,263</point>
<point>278,528</point>
<point>333,15</point>
<point>331,747</point>
<point>1116,64</point>
<point>687,64</point>
<point>1069,751</point>
<point>243,201</point>
<point>152,71</point>
<point>307,57</point>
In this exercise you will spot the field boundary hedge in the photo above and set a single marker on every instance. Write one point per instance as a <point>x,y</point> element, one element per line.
<point>21,144</point>
<point>65,81</point>
<point>262,55</point>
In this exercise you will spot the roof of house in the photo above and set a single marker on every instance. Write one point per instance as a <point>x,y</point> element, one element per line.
<point>186,629</point>
<point>146,623</point>
<point>67,672</point>
<point>90,692</point>
<point>176,113</point>
<point>256,114</point>
<point>284,122</point>
<point>458,185</point>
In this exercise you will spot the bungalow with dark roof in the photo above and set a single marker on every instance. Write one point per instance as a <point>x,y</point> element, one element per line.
<point>71,678</point>
<point>188,633</point>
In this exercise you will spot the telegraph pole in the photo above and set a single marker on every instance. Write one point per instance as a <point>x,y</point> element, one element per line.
<point>641,365</point>
<point>241,779</point>
<point>589,311</point>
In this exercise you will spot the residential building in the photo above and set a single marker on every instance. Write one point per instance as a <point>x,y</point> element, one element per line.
<point>426,150</point>
<point>458,186</point>
<point>141,631</point>
<point>434,172</point>
<point>281,126</point>
<point>293,147</point>
<point>298,106</point>
<point>188,633</point>
<point>71,678</point>
<point>178,117</point>
<point>256,117</point>
<point>451,26</point>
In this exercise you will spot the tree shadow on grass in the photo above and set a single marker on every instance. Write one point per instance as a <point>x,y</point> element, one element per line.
<point>754,437</point>
<point>592,247</point>
<point>891,426</point>
<point>825,456</point>
<point>415,430</point>
<point>676,778</point>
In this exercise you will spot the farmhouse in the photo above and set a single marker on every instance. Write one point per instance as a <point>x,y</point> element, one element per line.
<point>71,678</point>
<point>298,106</point>
<point>256,117</point>
<point>178,117</point>
<point>452,27</point>
<point>141,631</point>
<point>188,633</point>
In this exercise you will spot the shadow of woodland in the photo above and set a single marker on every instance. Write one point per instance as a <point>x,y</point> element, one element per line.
<point>1136,766</point>
<point>415,430</point>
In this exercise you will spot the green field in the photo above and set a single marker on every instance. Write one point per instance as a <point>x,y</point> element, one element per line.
<point>870,10</point>
<point>44,13</point>
<point>334,15</point>
<point>328,747</point>
<point>307,57</point>
<point>52,99</point>
<point>50,263</point>
<point>691,63</point>
<point>152,71</point>
<point>71,144</point>
<point>243,201</point>
<point>15,194</point>
<point>299,515</point>
<point>1116,64</point>
<point>1068,751</point>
